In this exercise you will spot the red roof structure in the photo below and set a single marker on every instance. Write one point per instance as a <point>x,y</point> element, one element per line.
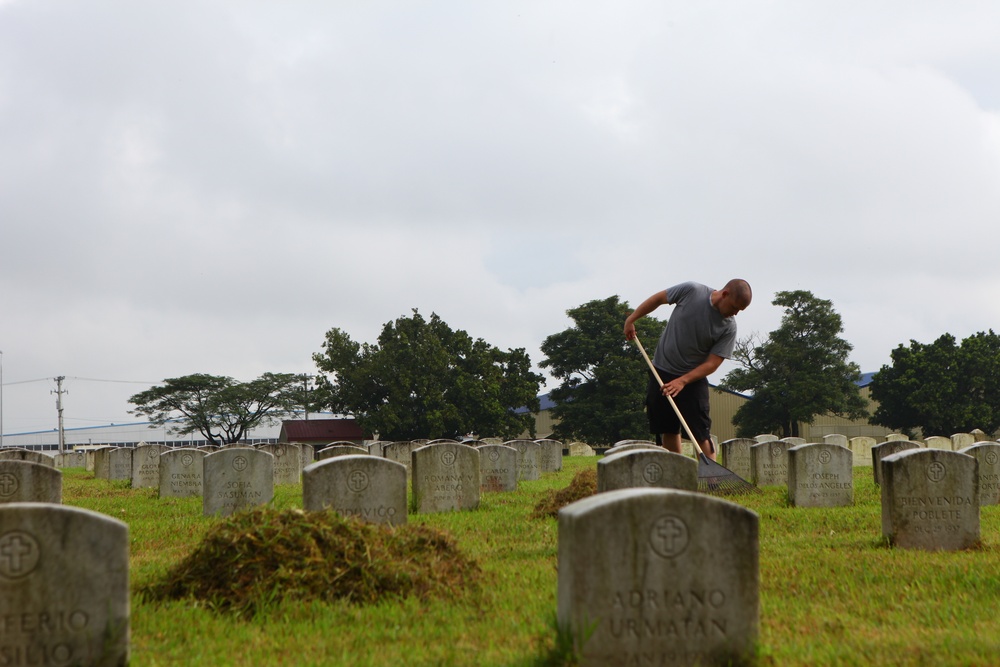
<point>321,431</point>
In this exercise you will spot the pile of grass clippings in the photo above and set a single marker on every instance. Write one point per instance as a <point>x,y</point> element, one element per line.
<point>257,558</point>
<point>583,485</point>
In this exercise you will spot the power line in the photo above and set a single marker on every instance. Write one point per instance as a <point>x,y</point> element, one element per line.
<point>118,381</point>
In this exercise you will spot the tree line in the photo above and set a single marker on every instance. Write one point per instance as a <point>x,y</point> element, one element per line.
<point>423,379</point>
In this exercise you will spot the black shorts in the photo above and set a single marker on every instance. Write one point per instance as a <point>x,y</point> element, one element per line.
<point>692,401</point>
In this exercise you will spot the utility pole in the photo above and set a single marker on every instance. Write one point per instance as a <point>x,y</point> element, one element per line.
<point>305,394</point>
<point>59,392</point>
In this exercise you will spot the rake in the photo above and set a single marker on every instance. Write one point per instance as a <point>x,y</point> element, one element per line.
<point>713,477</point>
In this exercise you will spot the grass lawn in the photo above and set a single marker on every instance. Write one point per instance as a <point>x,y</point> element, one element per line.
<point>832,593</point>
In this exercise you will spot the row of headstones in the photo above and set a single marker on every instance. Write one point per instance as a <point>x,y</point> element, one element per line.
<point>860,445</point>
<point>670,576</point>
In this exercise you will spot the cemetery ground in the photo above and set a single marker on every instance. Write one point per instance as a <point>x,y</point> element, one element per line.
<point>832,592</point>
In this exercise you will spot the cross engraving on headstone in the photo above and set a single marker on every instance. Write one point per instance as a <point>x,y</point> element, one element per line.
<point>935,471</point>
<point>8,484</point>
<point>357,481</point>
<point>18,554</point>
<point>669,536</point>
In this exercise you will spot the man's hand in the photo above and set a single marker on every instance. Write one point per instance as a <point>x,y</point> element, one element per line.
<point>629,330</point>
<point>674,387</point>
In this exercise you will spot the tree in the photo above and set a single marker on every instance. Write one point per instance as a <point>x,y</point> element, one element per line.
<point>603,391</point>
<point>941,388</point>
<point>424,380</point>
<point>220,408</point>
<point>799,372</point>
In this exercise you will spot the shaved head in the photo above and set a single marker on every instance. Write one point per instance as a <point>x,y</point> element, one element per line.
<point>740,289</point>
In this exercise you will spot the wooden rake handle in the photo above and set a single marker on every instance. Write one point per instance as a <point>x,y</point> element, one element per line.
<point>652,368</point>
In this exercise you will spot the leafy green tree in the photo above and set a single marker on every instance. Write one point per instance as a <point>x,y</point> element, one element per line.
<point>799,372</point>
<point>941,388</point>
<point>602,394</point>
<point>220,408</point>
<point>424,380</point>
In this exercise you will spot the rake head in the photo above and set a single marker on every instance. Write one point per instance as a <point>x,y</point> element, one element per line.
<point>718,480</point>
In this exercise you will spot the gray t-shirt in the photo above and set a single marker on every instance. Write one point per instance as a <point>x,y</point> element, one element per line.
<point>695,330</point>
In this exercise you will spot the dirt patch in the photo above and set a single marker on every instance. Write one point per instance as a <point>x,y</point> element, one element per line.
<point>583,485</point>
<point>253,559</point>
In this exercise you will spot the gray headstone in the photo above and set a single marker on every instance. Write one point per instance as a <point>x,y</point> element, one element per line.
<point>74,459</point>
<point>146,466</point>
<point>237,478</point>
<point>368,487</point>
<point>862,448</point>
<point>100,462</point>
<point>550,455</point>
<point>27,482</point>
<point>445,478</point>
<point>64,590</point>
<point>988,456</point>
<point>820,475</point>
<point>659,577</point>
<point>634,442</point>
<point>581,449</point>
<point>939,442</point>
<point>769,463</point>
<point>287,462</point>
<point>736,455</point>
<point>765,437</point>
<point>632,446</point>
<point>119,463</point>
<point>895,436</point>
<point>794,441</point>
<point>182,473</point>
<point>654,468</point>
<point>529,467</point>
<point>400,452</point>
<point>18,454</point>
<point>962,440</point>
<point>836,439</point>
<point>930,500</point>
<point>497,468</point>
<point>886,448</point>
<point>334,451</point>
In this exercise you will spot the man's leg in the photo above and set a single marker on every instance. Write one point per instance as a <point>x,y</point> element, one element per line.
<point>708,448</point>
<point>671,442</point>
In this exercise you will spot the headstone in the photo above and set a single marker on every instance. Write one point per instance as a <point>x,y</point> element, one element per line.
<point>988,456</point>
<point>182,473</point>
<point>895,436</point>
<point>237,478</point>
<point>119,463</point>
<point>550,455</point>
<point>836,439</point>
<point>736,455</point>
<point>883,450</point>
<point>18,454</point>
<point>101,462</point>
<point>930,500</point>
<point>400,452</point>
<point>146,466</point>
<point>793,441</point>
<point>445,478</point>
<point>980,435</point>
<point>334,451</point>
<point>581,449</point>
<point>765,437</point>
<point>497,468</point>
<point>769,463</point>
<point>528,465</point>
<point>820,475</point>
<point>287,462</point>
<point>64,586</point>
<point>938,442</point>
<point>655,468</point>
<point>628,447</point>
<point>633,442</point>
<point>659,577</point>
<point>861,446</point>
<point>27,482</point>
<point>962,440</point>
<point>73,459</point>
<point>368,487</point>
<point>491,441</point>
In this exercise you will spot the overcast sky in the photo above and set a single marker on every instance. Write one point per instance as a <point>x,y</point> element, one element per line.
<point>206,186</point>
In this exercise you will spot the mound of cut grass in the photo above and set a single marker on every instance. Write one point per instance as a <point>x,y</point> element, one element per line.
<point>583,485</point>
<point>256,558</point>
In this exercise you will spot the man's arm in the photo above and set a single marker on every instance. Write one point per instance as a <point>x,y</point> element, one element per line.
<point>645,308</point>
<point>702,370</point>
